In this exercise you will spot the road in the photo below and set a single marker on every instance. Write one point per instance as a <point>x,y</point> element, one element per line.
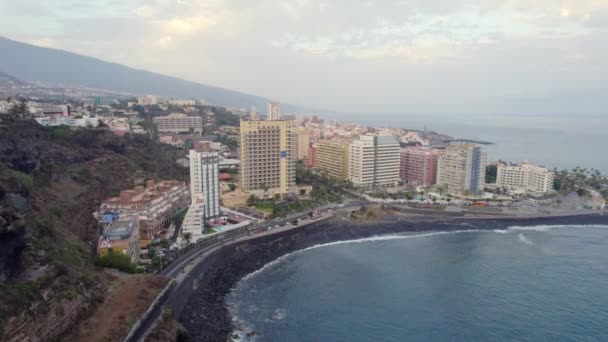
<point>179,269</point>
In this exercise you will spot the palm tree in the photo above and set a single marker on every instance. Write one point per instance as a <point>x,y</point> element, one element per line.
<point>187,237</point>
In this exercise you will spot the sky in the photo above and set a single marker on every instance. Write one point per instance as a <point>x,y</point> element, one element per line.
<point>505,57</point>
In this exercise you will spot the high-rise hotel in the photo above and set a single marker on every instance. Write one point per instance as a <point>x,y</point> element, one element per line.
<point>462,168</point>
<point>204,181</point>
<point>274,111</point>
<point>268,151</point>
<point>373,161</point>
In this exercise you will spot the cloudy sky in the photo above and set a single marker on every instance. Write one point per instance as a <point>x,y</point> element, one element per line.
<point>392,56</point>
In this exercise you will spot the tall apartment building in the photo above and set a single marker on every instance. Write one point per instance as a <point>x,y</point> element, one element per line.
<point>204,181</point>
<point>525,177</point>
<point>268,157</point>
<point>154,205</point>
<point>311,161</point>
<point>373,161</point>
<point>462,168</point>
<point>274,111</point>
<point>178,123</point>
<point>303,143</point>
<point>332,157</point>
<point>419,166</point>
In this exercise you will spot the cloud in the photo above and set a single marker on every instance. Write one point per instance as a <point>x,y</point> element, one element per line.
<point>44,42</point>
<point>347,55</point>
<point>187,25</point>
<point>146,11</point>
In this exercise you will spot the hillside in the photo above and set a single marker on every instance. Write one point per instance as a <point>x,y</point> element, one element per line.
<point>33,63</point>
<point>51,181</point>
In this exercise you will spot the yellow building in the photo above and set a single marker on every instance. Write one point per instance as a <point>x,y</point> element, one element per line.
<point>121,237</point>
<point>332,157</point>
<point>268,154</point>
<point>303,143</point>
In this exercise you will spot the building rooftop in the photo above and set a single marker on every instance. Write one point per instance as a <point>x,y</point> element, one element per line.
<point>141,195</point>
<point>121,229</point>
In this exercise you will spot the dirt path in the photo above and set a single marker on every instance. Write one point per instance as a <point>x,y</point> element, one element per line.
<point>129,297</point>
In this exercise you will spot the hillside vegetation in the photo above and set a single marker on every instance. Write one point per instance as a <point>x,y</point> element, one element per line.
<point>51,181</point>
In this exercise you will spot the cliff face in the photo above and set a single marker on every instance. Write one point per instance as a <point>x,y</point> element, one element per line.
<point>51,181</point>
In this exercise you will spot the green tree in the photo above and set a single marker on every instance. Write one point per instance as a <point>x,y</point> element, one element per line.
<point>187,237</point>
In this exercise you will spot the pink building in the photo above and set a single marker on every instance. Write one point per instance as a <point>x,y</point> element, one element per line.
<point>419,166</point>
<point>312,156</point>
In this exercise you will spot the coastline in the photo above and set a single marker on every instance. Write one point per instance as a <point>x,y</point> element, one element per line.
<point>203,311</point>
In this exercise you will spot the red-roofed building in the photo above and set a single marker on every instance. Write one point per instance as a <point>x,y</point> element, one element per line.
<point>154,205</point>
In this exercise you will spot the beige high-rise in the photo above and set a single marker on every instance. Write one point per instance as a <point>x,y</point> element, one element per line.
<point>303,143</point>
<point>462,168</point>
<point>268,156</point>
<point>332,157</point>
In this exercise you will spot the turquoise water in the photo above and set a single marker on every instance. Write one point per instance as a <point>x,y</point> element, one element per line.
<point>545,283</point>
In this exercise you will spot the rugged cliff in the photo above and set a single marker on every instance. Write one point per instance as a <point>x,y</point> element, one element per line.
<point>51,181</point>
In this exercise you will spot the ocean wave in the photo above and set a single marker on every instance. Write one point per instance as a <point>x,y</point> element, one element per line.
<point>346,242</point>
<point>524,239</point>
<point>538,228</point>
<point>544,228</point>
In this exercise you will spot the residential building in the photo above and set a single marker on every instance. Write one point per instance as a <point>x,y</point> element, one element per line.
<point>462,168</point>
<point>178,123</point>
<point>181,102</point>
<point>122,237</point>
<point>525,177</point>
<point>147,100</point>
<point>204,181</point>
<point>70,121</point>
<point>419,166</point>
<point>194,221</point>
<point>268,157</point>
<point>274,111</point>
<point>303,143</point>
<point>311,161</point>
<point>373,161</point>
<point>155,205</point>
<point>332,157</point>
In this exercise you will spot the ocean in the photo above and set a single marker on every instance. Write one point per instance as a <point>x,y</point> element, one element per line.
<point>542,283</point>
<point>552,141</point>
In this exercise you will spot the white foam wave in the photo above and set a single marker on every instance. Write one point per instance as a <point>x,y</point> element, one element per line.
<point>524,239</point>
<point>539,228</point>
<point>544,228</point>
<point>344,242</point>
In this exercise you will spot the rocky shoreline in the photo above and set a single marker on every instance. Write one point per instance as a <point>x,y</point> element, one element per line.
<point>203,311</point>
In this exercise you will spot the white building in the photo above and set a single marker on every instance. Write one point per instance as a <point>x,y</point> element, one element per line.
<point>181,102</point>
<point>274,111</point>
<point>374,161</point>
<point>194,221</point>
<point>204,181</point>
<point>52,121</point>
<point>462,168</point>
<point>147,100</point>
<point>178,123</point>
<point>525,177</point>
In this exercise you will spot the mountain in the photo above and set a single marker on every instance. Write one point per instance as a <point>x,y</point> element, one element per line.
<point>7,80</point>
<point>34,63</point>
